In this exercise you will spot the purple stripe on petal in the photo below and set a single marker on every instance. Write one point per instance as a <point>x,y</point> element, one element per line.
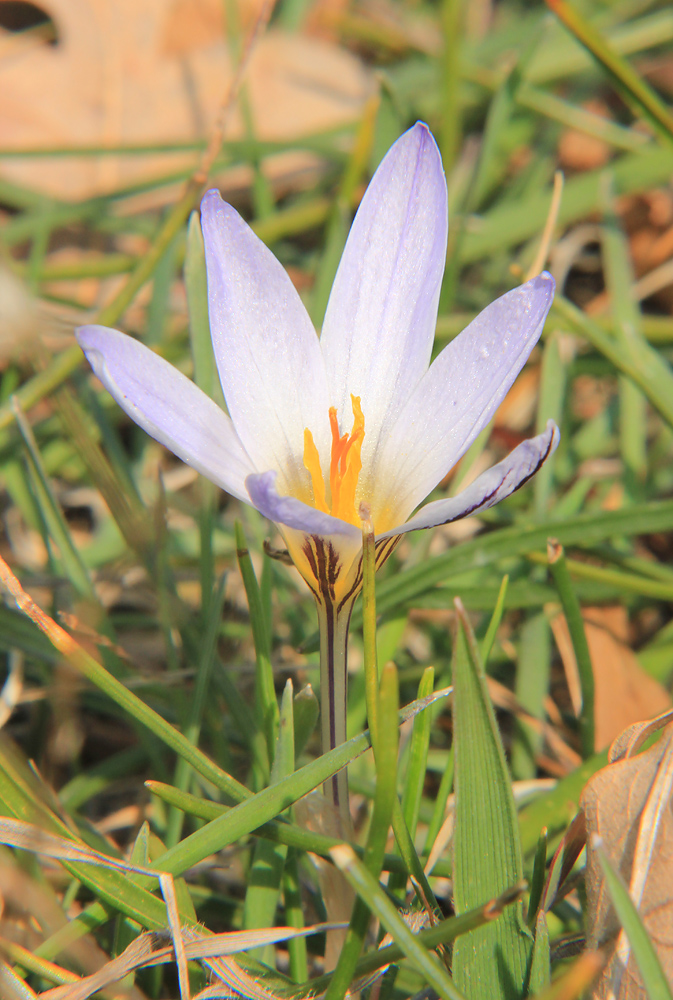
<point>488,489</point>
<point>294,513</point>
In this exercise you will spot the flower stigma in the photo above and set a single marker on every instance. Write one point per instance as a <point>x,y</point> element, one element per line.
<point>345,466</point>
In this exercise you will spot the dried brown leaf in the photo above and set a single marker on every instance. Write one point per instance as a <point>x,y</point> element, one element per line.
<point>624,692</point>
<point>628,805</point>
<point>144,71</point>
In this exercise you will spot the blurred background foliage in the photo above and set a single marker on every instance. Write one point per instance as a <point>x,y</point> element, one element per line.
<point>105,111</point>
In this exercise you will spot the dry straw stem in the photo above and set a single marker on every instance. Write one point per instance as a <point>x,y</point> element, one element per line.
<point>549,227</point>
<point>153,948</point>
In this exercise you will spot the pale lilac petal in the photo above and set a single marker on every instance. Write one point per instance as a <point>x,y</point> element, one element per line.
<point>488,489</point>
<point>292,512</point>
<point>380,320</point>
<point>460,393</point>
<point>168,406</point>
<point>268,354</point>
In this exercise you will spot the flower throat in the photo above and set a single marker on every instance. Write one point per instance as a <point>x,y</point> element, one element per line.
<point>345,466</point>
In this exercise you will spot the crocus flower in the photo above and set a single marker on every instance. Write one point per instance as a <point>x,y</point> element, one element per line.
<point>318,427</point>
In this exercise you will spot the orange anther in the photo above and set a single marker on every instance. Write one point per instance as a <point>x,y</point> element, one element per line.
<point>345,465</point>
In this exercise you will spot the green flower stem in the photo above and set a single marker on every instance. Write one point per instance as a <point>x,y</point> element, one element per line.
<point>333,679</point>
<point>369,626</point>
<point>385,751</point>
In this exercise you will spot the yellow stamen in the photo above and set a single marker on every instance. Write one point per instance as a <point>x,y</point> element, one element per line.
<point>312,463</point>
<point>345,465</point>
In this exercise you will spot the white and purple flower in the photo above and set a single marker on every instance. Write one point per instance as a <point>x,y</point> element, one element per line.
<point>316,427</point>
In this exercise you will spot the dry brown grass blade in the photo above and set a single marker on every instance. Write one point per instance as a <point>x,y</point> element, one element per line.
<point>12,987</point>
<point>16,833</point>
<point>153,948</point>
<point>549,227</point>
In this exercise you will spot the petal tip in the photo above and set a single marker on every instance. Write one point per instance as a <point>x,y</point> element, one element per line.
<point>92,338</point>
<point>217,214</point>
<point>211,198</point>
<point>546,281</point>
<point>420,138</point>
<point>86,336</point>
<point>552,429</point>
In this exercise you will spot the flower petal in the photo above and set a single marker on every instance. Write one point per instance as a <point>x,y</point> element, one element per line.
<point>380,320</point>
<point>488,489</point>
<point>292,512</point>
<point>168,406</point>
<point>268,354</point>
<point>461,391</point>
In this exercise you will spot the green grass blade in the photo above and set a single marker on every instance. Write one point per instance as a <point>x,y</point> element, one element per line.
<point>306,713</point>
<point>268,864</point>
<point>584,529</point>
<point>418,757</point>
<point>439,808</point>
<point>619,278</point>
<point>573,616</point>
<point>579,119</point>
<point>257,810</point>
<point>630,84</point>
<point>192,729</point>
<point>654,980</point>
<point>511,223</point>
<point>557,808</point>
<point>550,406</point>
<point>51,512</point>
<point>496,618</point>
<point>118,693</point>
<point>371,892</point>
<point>267,705</point>
<point>417,763</point>
<point>531,689</point>
<point>540,969</point>
<point>442,933</point>
<point>294,917</point>
<point>281,832</point>
<point>492,961</point>
<point>630,354</point>
<point>538,877</point>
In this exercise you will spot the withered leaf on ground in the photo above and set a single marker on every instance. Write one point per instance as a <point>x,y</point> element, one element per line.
<point>146,71</point>
<point>628,805</point>
<point>624,692</point>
